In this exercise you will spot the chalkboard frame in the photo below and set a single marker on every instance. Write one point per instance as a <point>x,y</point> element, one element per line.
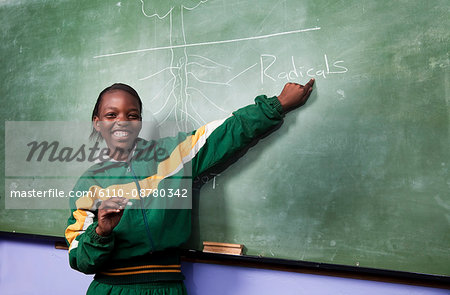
<point>368,62</point>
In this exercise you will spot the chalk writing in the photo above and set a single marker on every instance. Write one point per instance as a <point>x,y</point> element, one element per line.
<point>296,72</point>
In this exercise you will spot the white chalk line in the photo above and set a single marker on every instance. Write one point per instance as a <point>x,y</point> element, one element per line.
<point>208,43</point>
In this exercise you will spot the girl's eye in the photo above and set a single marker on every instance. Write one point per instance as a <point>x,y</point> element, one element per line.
<point>133,116</point>
<point>110,115</point>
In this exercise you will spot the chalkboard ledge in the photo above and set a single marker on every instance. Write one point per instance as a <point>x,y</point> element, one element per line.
<point>353,272</point>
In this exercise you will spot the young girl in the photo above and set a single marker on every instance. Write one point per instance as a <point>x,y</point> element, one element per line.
<point>135,251</point>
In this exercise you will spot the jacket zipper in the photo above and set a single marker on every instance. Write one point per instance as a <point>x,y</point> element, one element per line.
<point>147,228</point>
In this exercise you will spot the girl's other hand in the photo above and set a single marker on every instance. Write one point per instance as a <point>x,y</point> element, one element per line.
<point>109,214</point>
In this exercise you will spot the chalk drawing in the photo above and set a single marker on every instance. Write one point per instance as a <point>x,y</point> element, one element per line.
<point>178,102</point>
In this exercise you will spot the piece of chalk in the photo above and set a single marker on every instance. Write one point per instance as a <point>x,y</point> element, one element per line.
<point>129,204</point>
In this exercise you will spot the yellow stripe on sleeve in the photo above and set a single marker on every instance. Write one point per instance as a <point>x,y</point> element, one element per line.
<point>74,230</point>
<point>183,153</point>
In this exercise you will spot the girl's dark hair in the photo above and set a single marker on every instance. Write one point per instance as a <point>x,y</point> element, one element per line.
<point>95,135</point>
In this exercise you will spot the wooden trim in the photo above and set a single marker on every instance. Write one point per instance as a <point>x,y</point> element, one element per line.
<point>61,246</point>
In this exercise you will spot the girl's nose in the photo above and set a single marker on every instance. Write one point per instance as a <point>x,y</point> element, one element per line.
<point>122,120</point>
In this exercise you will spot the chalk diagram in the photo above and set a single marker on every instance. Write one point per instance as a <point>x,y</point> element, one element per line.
<point>178,103</point>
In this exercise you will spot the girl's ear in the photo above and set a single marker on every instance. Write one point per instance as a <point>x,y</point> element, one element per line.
<point>96,123</point>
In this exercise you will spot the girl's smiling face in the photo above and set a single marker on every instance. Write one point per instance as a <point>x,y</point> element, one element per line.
<point>119,122</point>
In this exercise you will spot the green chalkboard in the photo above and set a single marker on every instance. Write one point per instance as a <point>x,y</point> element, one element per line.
<point>359,176</point>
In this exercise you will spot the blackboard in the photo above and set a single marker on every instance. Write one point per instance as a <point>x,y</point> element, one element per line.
<point>359,176</point>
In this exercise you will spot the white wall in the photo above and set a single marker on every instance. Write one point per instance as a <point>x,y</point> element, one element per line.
<point>32,267</point>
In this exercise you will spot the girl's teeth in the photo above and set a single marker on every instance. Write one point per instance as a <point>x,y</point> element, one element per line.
<point>120,133</point>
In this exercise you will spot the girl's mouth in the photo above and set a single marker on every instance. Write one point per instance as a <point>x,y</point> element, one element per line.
<point>121,134</point>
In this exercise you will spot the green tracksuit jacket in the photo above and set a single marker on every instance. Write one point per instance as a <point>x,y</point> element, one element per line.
<point>142,247</point>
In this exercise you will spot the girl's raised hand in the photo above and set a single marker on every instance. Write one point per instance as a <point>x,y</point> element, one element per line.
<point>294,95</point>
<point>109,214</point>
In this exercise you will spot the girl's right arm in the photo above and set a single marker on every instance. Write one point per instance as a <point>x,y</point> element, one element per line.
<point>87,249</point>
<point>90,237</point>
